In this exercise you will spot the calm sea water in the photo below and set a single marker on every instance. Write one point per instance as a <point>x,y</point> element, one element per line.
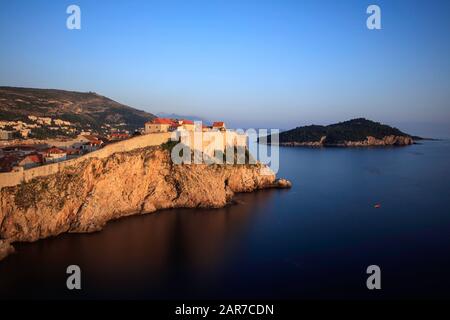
<point>313,241</point>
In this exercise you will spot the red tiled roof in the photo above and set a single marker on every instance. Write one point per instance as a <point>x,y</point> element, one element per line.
<point>91,138</point>
<point>120,135</point>
<point>71,151</point>
<point>219,124</point>
<point>54,150</point>
<point>184,121</point>
<point>36,158</point>
<point>94,142</point>
<point>162,121</point>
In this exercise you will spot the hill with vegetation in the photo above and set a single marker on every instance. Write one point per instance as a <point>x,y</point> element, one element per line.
<point>86,110</point>
<point>353,132</point>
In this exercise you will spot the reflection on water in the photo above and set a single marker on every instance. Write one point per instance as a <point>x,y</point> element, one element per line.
<point>140,253</point>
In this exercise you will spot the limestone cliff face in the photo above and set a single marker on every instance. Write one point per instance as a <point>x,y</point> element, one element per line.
<point>369,142</point>
<point>85,197</point>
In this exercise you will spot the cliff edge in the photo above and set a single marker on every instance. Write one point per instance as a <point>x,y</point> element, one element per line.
<point>85,197</point>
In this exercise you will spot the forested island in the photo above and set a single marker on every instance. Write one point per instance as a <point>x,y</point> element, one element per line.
<point>355,132</point>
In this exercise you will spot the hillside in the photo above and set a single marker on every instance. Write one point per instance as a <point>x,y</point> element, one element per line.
<point>356,132</point>
<point>83,109</point>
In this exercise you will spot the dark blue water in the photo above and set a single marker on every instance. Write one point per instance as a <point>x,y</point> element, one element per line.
<point>313,241</point>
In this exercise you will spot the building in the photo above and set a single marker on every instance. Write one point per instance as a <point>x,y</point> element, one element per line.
<point>6,135</point>
<point>92,145</point>
<point>219,125</point>
<point>20,150</point>
<point>73,153</point>
<point>186,125</point>
<point>165,125</point>
<point>158,125</point>
<point>31,161</point>
<point>25,133</point>
<point>44,120</point>
<point>54,154</point>
<point>60,122</point>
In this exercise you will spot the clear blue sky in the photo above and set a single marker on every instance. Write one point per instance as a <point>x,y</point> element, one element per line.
<point>250,62</point>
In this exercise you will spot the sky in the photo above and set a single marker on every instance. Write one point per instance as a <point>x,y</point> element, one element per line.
<point>253,63</point>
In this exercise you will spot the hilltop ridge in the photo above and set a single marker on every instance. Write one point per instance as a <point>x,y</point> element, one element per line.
<point>85,110</point>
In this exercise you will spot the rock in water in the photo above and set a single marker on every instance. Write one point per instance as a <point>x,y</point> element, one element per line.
<point>283,184</point>
<point>5,249</point>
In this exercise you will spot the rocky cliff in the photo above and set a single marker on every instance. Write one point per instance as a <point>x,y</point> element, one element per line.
<point>369,141</point>
<point>85,197</point>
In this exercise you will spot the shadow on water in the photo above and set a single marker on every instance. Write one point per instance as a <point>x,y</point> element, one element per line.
<point>139,256</point>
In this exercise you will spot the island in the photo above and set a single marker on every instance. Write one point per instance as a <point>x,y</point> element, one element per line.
<point>353,133</point>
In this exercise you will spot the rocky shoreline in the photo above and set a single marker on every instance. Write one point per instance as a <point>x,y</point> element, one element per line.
<point>84,198</point>
<point>369,142</point>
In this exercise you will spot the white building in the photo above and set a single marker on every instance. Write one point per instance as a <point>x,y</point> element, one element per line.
<point>6,135</point>
<point>54,155</point>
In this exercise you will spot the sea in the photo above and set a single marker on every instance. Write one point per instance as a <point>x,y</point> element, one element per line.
<point>348,209</point>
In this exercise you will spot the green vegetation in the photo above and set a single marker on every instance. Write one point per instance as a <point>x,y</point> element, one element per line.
<point>169,145</point>
<point>29,193</point>
<point>352,130</point>
<point>241,155</point>
<point>53,190</point>
<point>45,133</point>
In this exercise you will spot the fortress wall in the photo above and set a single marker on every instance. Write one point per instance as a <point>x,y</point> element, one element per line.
<point>14,178</point>
<point>10,179</point>
<point>210,142</point>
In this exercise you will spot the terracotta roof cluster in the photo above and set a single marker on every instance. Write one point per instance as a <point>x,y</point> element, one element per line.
<point>94,142</point>
<point>120,135</point>
<point>184,121</point>
<point>53,150</point>
<point>218,124</point>
<point>163,121</point>
<point>35,157</point>
<point>171,122</point>
<point>180,122</point>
